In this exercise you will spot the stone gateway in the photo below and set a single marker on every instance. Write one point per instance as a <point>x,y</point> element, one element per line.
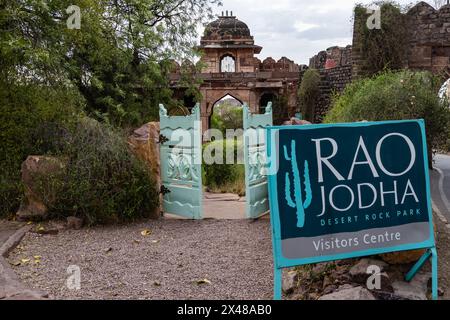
<point>231,69</point>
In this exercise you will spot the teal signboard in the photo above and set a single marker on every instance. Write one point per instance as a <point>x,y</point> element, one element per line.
<point>348,190</point>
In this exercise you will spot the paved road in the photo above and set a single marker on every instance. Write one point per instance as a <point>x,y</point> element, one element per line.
<point>440,185</point>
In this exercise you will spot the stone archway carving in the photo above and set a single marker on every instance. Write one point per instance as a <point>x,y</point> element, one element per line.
<point>228,36</point>
<point>212,95</point>
<point>214,101</point>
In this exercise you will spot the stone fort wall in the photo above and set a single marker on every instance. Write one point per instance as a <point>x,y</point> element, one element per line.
<point>335,68</point>
<point>428,49</point>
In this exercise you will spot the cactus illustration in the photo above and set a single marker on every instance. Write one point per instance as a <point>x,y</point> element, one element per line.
<point>298,202</point>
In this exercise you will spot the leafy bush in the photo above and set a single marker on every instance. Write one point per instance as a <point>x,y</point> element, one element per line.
<point>103,181</point>
<point>395,96</point>
<point>227,116</point>
<point>25,110</point>
<point>122,73</point>
<point>309,93</point>
<point>225,178</point>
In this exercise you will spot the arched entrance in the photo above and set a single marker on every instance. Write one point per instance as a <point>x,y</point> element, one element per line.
<point>227,114</point>
<point>225,180</point>
<point>183,167</point>
<point>213,96</point>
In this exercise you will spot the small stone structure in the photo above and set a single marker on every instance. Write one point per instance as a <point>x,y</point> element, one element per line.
<point>231,68</point>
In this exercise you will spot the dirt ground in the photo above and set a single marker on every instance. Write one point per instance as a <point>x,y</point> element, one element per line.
<point>180,259</point>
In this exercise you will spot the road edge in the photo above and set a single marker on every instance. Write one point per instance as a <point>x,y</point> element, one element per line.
<point>444,199</point>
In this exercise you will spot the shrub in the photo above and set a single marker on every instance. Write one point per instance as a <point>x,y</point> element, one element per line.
<point>225,178</point>
<point>227,116</point>
<point>25,110</point>
<point>385,48</point>
<point>395,96</point>
<point>309,93</point>
<point>103,181</point>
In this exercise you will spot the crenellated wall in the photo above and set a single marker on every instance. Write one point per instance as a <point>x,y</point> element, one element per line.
<point>284,64</point>
<point>428,40</point>
<point>428,49</point>
<point>335,68</point>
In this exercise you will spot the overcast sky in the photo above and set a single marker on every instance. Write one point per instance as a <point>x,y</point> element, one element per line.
<point>297,29</point>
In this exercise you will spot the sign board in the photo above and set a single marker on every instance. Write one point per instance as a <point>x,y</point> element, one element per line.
<point>348,190</point>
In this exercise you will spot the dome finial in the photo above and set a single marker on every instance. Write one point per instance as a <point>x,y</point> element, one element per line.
<point>226,26</point>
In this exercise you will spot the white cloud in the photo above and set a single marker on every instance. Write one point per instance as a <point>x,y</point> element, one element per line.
<point>297,29</point>
<point>301,26</point>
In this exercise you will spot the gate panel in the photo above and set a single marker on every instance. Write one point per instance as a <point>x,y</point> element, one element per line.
<point>256,187</point>
<point>181,158</point>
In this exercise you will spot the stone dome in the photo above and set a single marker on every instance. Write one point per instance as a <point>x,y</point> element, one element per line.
<point>226,27</point>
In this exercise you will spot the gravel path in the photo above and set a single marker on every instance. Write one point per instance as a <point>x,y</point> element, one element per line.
<point>121,263</point>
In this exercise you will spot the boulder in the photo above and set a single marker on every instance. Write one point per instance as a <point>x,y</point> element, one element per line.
<point>405,257</point>
<point>327,281</point>
<point>422,281</point>
<point>144,143</point>
<point>329,289</point>
<point>386,283</point>
<point>74,223</point>
<point>408,291</point>
<point>34,168</point>
<point>290,282</point>
<point>359,271</point>
<point>402,257</point>
<point>356,293</point>
<point>320,268</point>
<point>345,287</point>
<point>295,121</point>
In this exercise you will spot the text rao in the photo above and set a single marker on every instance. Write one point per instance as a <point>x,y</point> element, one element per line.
<point>380,193</point>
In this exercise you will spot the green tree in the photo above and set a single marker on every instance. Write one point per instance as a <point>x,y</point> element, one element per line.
<point>308,93</point>
<point>118,60</point>
<point>385,48</point>
<point>227,116</point>
<point>401,95</point>
<point>114,68</point>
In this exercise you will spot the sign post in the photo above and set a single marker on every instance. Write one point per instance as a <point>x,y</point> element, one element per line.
<point>349,190</point>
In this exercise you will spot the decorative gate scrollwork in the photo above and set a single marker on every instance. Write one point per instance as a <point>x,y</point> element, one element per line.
<point>181,151</point>
<point>255,161</point>
<point>181,167</point>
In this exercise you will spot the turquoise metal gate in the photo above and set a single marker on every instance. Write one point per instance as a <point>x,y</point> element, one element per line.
<point>181,163</point>
<point>257,203</point>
